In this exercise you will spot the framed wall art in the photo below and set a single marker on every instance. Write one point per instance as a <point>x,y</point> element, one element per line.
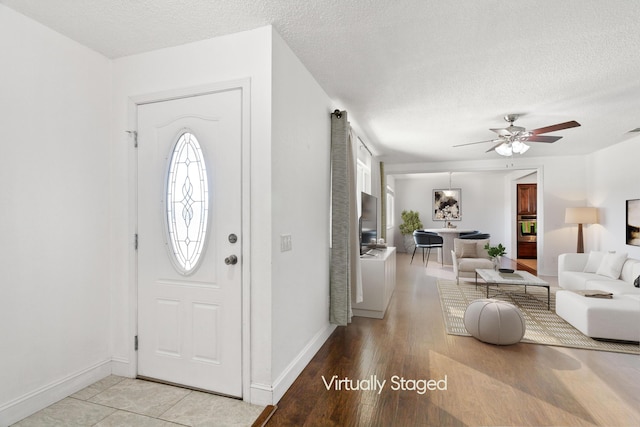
<point>633,222</point>
<point>447,205</point>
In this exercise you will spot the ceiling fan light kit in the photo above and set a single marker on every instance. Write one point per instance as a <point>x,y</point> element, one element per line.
<point>507,149</point>
<point>512,138</point>
<point>504,150</point>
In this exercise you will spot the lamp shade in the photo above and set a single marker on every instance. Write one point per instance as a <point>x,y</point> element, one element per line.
<point>582,215</point>
<point>504,150</point>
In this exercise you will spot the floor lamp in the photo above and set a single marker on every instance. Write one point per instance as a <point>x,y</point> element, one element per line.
<point>583,215</point>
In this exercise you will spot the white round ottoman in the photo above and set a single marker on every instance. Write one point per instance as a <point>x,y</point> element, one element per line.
<point>494,321</point>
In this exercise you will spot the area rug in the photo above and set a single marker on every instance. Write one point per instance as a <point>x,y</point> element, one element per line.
<point>543,326</point>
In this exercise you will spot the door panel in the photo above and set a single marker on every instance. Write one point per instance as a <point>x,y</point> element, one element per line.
<point>189,320</point>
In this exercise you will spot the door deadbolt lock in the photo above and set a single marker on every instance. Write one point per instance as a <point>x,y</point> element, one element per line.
<point>233,238</point>
<point>231,260</point>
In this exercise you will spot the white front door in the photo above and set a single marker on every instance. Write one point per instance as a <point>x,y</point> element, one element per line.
<point>189,241</point>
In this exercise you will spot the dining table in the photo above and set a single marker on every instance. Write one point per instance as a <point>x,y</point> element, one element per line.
<point>447,234</point>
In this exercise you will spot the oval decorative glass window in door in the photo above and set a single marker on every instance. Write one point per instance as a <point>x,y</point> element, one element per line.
<point>187,207</point>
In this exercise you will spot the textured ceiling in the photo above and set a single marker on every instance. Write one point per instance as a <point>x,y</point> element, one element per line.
<point>418,76</point>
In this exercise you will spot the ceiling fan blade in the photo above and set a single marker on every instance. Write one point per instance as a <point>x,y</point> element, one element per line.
<point>553,128</point>
<point>543,138</point>
<point>501,131</point>
<point>473,143</point>
<point>494,147</point>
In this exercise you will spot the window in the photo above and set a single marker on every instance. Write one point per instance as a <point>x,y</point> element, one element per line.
<point>363,178</point>
<point>363,165</point>
<point>187,203</point>
<point>390,207</point>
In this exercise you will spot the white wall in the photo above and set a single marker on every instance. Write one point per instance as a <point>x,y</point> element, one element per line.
<point>613,178</point>
<point>562,184</point>
<point>54,215</point>
<point>301,136</point>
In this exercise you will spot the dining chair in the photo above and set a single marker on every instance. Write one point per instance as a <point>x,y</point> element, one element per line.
<point>475,236</point>
<point>425,240</point>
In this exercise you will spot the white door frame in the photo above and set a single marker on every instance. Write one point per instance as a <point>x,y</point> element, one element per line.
<point>245,87</point>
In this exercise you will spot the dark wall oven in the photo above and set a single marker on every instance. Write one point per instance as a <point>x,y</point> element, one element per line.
<point>527,228</point>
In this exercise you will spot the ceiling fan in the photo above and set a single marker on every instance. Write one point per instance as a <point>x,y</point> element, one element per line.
<point>512,138</point>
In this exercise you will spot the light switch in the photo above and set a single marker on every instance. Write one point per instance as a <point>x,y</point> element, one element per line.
<point>285,242</point>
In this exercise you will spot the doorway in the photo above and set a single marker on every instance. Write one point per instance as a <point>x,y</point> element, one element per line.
<point>190,258</point>
<point>526,222</point>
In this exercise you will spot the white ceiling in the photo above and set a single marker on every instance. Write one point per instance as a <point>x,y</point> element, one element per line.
<point>418,76</point>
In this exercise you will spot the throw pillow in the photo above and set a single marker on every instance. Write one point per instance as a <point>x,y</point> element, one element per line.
<point>611,265</point>
<point>468,250</point>
<point>636,282</point>
<point>594,261</point>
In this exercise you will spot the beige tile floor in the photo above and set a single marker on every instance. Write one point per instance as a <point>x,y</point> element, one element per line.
<point>118,401</point>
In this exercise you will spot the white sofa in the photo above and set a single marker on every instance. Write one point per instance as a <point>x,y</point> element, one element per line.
<point>617,318</point>
<point>467,255</point>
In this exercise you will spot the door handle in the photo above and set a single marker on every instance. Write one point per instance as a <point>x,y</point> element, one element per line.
<point>231,260</point>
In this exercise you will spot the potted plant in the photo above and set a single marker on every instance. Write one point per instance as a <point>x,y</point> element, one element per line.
<point>410,223</point>
<point>495,252</point>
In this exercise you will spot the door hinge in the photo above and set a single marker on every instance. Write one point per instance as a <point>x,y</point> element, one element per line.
<point>135,343</point>
<point>135,241</point>
<point>135,137</point>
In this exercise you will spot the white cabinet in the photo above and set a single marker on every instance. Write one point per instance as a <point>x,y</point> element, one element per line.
<point>378,283</point>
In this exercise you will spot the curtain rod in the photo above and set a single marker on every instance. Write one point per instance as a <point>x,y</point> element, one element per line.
<point>338,114</point>
<point>365,146</point>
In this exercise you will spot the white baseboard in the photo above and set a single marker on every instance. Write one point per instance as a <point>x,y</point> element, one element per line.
<point>262,394</point>
<point>32,402</point>
<point>121,367</point>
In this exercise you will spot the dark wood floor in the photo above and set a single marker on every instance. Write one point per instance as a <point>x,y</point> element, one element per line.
<point>522,384</point>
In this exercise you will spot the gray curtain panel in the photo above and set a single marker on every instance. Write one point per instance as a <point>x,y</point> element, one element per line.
<point>354,235</point>
<point>383,203</point>
<point>344,261</point>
